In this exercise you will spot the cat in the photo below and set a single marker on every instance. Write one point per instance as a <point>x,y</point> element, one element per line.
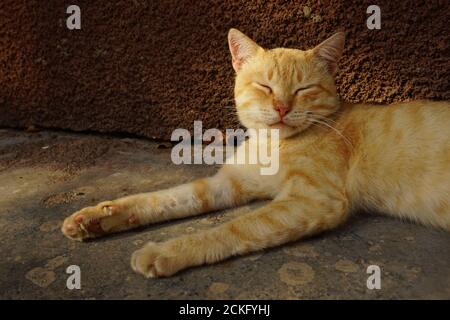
<point>335,157</point>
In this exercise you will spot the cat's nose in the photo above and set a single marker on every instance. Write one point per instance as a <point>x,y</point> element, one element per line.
<point>282,108</point>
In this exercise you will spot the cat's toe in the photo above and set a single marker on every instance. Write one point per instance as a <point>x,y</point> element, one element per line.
<point>152,261</point>
<point>86,222</point>
<point>73,229</point>
<point>143,262</point>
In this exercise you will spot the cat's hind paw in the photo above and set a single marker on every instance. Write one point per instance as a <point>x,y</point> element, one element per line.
<point>86,223</point>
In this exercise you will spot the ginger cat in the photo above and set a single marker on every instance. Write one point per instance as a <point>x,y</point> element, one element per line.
<point>334,157</point>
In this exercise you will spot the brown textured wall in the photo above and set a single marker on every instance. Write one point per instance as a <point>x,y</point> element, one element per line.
<point>147,67</point>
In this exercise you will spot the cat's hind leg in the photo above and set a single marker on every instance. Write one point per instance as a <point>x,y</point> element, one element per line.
<point>200,196</point>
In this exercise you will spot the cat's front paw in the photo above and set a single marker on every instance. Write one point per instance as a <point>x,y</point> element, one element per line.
<point>86,223</point>
<point>156,260</point>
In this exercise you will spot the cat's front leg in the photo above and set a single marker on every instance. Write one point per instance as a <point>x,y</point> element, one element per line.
<point>200,196</point>
<point>279,222</point>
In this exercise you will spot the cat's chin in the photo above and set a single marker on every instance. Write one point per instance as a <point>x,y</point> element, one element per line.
<point>285,130</point>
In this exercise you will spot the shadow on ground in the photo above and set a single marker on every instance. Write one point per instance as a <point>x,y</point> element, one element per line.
<point>46,176</point>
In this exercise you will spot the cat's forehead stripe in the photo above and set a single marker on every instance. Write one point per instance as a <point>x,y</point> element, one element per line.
<point>284,67</point>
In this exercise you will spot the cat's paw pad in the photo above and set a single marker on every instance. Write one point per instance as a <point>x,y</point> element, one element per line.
<point>85,223</point>
<point>154,260</point>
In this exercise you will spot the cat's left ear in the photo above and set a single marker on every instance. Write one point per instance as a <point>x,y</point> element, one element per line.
<point>242,48</point>
<point>330,51</point>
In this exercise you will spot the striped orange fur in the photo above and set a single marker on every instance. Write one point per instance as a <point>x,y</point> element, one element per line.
<point>334,157</point>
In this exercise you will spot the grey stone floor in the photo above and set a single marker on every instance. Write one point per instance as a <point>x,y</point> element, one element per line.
<point>42,180</point>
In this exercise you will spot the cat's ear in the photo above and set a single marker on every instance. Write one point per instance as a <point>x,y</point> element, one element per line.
<point>241,47</point>
<point>330,51</point>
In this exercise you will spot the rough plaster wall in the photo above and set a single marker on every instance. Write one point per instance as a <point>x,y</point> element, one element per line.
<point>147,67</point>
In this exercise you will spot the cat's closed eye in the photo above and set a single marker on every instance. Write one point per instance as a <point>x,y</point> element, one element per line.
<point>267,89</point>
<point>304,88</point>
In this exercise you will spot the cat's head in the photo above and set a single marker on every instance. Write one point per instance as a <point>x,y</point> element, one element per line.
<point>287,89</point>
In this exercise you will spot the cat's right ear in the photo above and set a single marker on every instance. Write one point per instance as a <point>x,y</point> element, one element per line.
<point>242,48</point>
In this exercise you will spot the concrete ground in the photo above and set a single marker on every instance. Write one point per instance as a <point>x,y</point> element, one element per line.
<point>45,176</point>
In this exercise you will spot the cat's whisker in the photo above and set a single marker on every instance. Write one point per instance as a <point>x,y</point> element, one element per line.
<point>349,144</point>
<point>321,117</point>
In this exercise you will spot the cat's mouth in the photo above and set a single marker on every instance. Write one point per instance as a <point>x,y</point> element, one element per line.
<point>280,124</point>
